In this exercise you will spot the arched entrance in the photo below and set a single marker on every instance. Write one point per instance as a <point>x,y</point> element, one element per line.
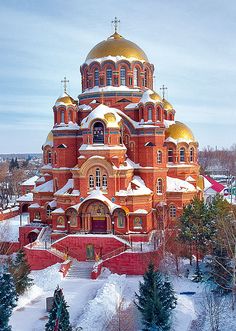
<point>25,208</point>
<point>33,235</point>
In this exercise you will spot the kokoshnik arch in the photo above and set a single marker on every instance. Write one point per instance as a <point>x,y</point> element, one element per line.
<point>116,161</point>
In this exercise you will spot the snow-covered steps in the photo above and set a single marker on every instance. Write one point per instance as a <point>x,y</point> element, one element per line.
<point>80,270</point>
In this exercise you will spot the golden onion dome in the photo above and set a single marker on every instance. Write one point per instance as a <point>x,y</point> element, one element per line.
<point>66,99</point>
<point>155,96</point>
<point>49,140</point>
<point>166,105</point>
<point>116,45</point>
<point>179,131</point>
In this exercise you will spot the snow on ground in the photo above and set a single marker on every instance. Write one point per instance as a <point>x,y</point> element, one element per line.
<point>9,229</point>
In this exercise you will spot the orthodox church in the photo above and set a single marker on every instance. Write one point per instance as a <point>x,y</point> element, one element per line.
<point>117,165</point>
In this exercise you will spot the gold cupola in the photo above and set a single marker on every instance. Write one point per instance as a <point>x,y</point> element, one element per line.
<point>116,45</point>
<point>65,99</point>
<point>166,105</point>
<point>179,132</point>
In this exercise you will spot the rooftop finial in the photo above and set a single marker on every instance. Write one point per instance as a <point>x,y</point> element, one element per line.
<point>115,22</point>
<point>163,89</point>
<point>64,81</point>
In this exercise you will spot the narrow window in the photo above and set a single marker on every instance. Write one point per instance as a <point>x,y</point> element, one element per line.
<point>104,181</point>
<point>159,186</point>
<point>109,77</point>
<point>62,116</point>
<point>150,114</point>
<point>49,211</point>
<point>91,182</point>
<point>135,77</point>
<point>123,76</point>
<point>49,157</point>
<point>170,155</point>
<point>98,133</point>
<point>96,77</point>
<point>146,78</point>
<point>172,211</point>
<point>191,154</point>
<point>182,154</point>
<point>69,116</point>
<point>158,114</point>
<point>98,178</point>
<point>159,157</point>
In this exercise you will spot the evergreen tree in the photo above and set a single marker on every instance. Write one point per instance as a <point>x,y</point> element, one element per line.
<point>155,301</point>
<point>8,298</point>
<point>20,270</point>
<point>59,315</point>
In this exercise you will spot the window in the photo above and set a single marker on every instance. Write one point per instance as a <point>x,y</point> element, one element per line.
<point>146,78</point>
<point>69,116</point>
<point>159,186</point>
<point>191,154</point>
<point>62,116</point>
<point>49,211</point>
<point>138,223</point>
<point>109,77</point>
<point>55,157</point>
<point>91,182</point>
<point>49,157</point>
<point>98,133</point>
<point>131,145</point>
<point>104,181</point>
<point>170,155</point>
<point>172,211</point>
<point>135,77</point>
<point>158,114</point>
<point>98,178</point>
<point>37,215</point>
<point>96,77</point>
<point>123,76</point>
<point>121,220</point>
<point>182,154</point>
<point>159,157</point>
<point>149,114</point>
<point>60,222</point>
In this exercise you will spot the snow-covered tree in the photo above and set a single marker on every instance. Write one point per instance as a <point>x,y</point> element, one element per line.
<point>8,299</point>
<point>59,319</point>
<point>155,300</point>
<point>20,270</point>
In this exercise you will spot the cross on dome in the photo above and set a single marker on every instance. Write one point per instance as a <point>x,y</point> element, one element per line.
<point>115,22</point>
<point>163,89</point>
<point>64,81</point>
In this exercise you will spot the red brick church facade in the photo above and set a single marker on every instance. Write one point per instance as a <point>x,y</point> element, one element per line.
<point>116,161</point>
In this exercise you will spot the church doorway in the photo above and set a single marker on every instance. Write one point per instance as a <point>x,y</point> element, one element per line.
<point>99,224</point>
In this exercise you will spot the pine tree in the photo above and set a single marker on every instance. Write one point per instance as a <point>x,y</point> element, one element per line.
<point>8,299</point>
<point>20,270</point>
<point>59,315</point>
<point>155,301</point>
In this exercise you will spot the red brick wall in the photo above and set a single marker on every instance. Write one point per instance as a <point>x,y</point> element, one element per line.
<point>40,259</point>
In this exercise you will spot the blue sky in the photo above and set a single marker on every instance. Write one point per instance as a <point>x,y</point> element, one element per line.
<point>190,43</point>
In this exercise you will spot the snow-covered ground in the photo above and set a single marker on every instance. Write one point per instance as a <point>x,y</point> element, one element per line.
<point>9,229</point>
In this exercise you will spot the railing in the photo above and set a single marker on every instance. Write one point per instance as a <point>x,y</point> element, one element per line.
<point>114,253</point>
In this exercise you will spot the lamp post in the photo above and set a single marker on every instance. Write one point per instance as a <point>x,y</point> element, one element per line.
<point>68,226</point>
<point>113,226</point>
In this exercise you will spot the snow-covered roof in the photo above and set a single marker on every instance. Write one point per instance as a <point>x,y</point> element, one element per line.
<point>150,96</point>
<point>140,211</point>
<point>179,185</point>
<point>58,211</point>
<point>65,126</point>
<point>68,186</point>
<point>85,107</point>
<point>190,179</point>
<point>47,166</point>
<point>41,180</point>
<point>25,198</point>
<point>104,113</point>
<point>113,58</point>
<point>127,165</point>
<point>34,205</point>
<point>45,187</point>
<point>110,89</point>
<point>136,187</point>
<point>85,147</point>
<point>168,123</point>
<point>31,181</point>
<point>52,204</point>
<point>177,141</point>
<point>131,106</point>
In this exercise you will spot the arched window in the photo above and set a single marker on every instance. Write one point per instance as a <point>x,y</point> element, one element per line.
<point>149,114</point>
<point>98,133</point>
<point>172,211</point>
<point>170,155</point>
<point>159,157</point>
<point>182,154</point>
<point>159,186</point>
<point>62,116</point>
<point>109,77</point>
<point>191,154</point>
<point>69,116</point>
<point>49,157</point>
<point>104,182</point>
<point>48,211</point>
<point>86,81</point>
<point>146,78</point>
<point>158,114</point>
<point>135,77</point>
<point>98,177</point>
<point>96,77</point>
<point>123,76</point>
<point>91,182</point>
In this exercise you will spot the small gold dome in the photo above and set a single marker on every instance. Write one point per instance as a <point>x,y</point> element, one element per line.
<point>49,140</point>
<point>179,131</point>
<point>66,99</point>
<point>166,105</point>
<point>155,96</point>
<point>116,45</point>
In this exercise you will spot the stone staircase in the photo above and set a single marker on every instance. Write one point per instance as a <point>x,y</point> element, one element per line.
<point>80,270</point>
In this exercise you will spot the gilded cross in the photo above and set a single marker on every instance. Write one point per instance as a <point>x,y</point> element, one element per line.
<point>115,22</point>
<point>163,89</point>
<point>64,81</point>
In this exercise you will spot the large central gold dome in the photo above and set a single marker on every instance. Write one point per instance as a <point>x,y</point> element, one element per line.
<point>116,45</point>
<point>179,130</point>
